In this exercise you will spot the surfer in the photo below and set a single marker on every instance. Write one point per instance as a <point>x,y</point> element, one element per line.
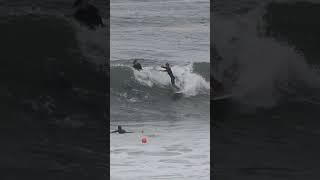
<point>87,14</point>
<point>137,65</point>
<point>120,130</point>
<point>169,71</point>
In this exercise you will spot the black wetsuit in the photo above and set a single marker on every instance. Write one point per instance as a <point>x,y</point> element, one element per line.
<point>137,66</point>
<point>169,71</point>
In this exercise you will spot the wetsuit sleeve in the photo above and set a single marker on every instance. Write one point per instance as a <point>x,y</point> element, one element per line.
<point>114,131</point>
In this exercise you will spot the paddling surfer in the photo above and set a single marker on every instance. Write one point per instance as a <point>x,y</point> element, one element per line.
<point>120,131</point>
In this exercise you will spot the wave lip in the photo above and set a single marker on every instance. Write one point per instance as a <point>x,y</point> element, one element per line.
<point>260,67</point>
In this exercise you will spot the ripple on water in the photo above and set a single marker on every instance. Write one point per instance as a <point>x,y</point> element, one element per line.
<point>197,156</point>
<point>175,161</point>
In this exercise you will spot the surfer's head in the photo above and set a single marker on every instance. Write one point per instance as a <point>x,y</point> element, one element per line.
<point>167,64</point>
<point>119,128</point>
<point>135,61</point>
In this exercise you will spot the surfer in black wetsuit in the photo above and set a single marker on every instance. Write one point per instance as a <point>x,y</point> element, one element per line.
<point>120,131</point>
<point>87,14</point>
<point>169,71</point>
<point>137,65</point>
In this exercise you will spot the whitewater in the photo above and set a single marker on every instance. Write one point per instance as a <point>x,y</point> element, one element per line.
<point>262,54</point>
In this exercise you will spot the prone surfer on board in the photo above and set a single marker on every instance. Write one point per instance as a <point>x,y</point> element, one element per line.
<point>169,71</point>
<point>120,131</point>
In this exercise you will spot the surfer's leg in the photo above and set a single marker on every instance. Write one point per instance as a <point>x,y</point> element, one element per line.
<point>172,81</point>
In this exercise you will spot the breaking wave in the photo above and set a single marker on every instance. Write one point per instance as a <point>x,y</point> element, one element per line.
<point>261,70</point>
<point>192,80</point>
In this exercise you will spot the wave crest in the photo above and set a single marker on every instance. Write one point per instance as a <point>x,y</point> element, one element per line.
<point>151,81</point>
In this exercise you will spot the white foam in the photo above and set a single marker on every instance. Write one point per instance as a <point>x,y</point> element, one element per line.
<point>93,43</point>
<point>189,83</point>
<point>262,62</point>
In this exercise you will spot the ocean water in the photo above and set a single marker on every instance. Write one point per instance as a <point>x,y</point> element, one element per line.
<point>266,57</point>
<point>176,125</point>
<point>160,30</point>
<point>51,129</point>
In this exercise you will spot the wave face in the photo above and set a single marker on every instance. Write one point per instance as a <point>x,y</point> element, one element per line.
<point>192,79</point>
<point>263,71</point>
<point>38,48</point>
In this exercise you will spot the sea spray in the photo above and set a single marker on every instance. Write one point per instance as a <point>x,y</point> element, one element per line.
<point>265,67</point>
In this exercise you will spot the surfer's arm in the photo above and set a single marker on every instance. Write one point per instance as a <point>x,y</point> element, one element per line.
<point>114,131</point>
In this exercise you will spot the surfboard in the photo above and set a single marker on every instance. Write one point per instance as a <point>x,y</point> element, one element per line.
<point>177,91</point>
<point>177,94</point>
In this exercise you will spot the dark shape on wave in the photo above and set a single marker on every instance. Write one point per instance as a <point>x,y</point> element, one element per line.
<point>87,14</point>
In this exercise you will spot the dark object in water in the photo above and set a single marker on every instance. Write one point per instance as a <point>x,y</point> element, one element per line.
<point>120,130</point>
<point>87,14</point>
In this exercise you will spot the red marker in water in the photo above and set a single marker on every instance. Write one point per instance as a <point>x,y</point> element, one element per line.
<point>144,138</point>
